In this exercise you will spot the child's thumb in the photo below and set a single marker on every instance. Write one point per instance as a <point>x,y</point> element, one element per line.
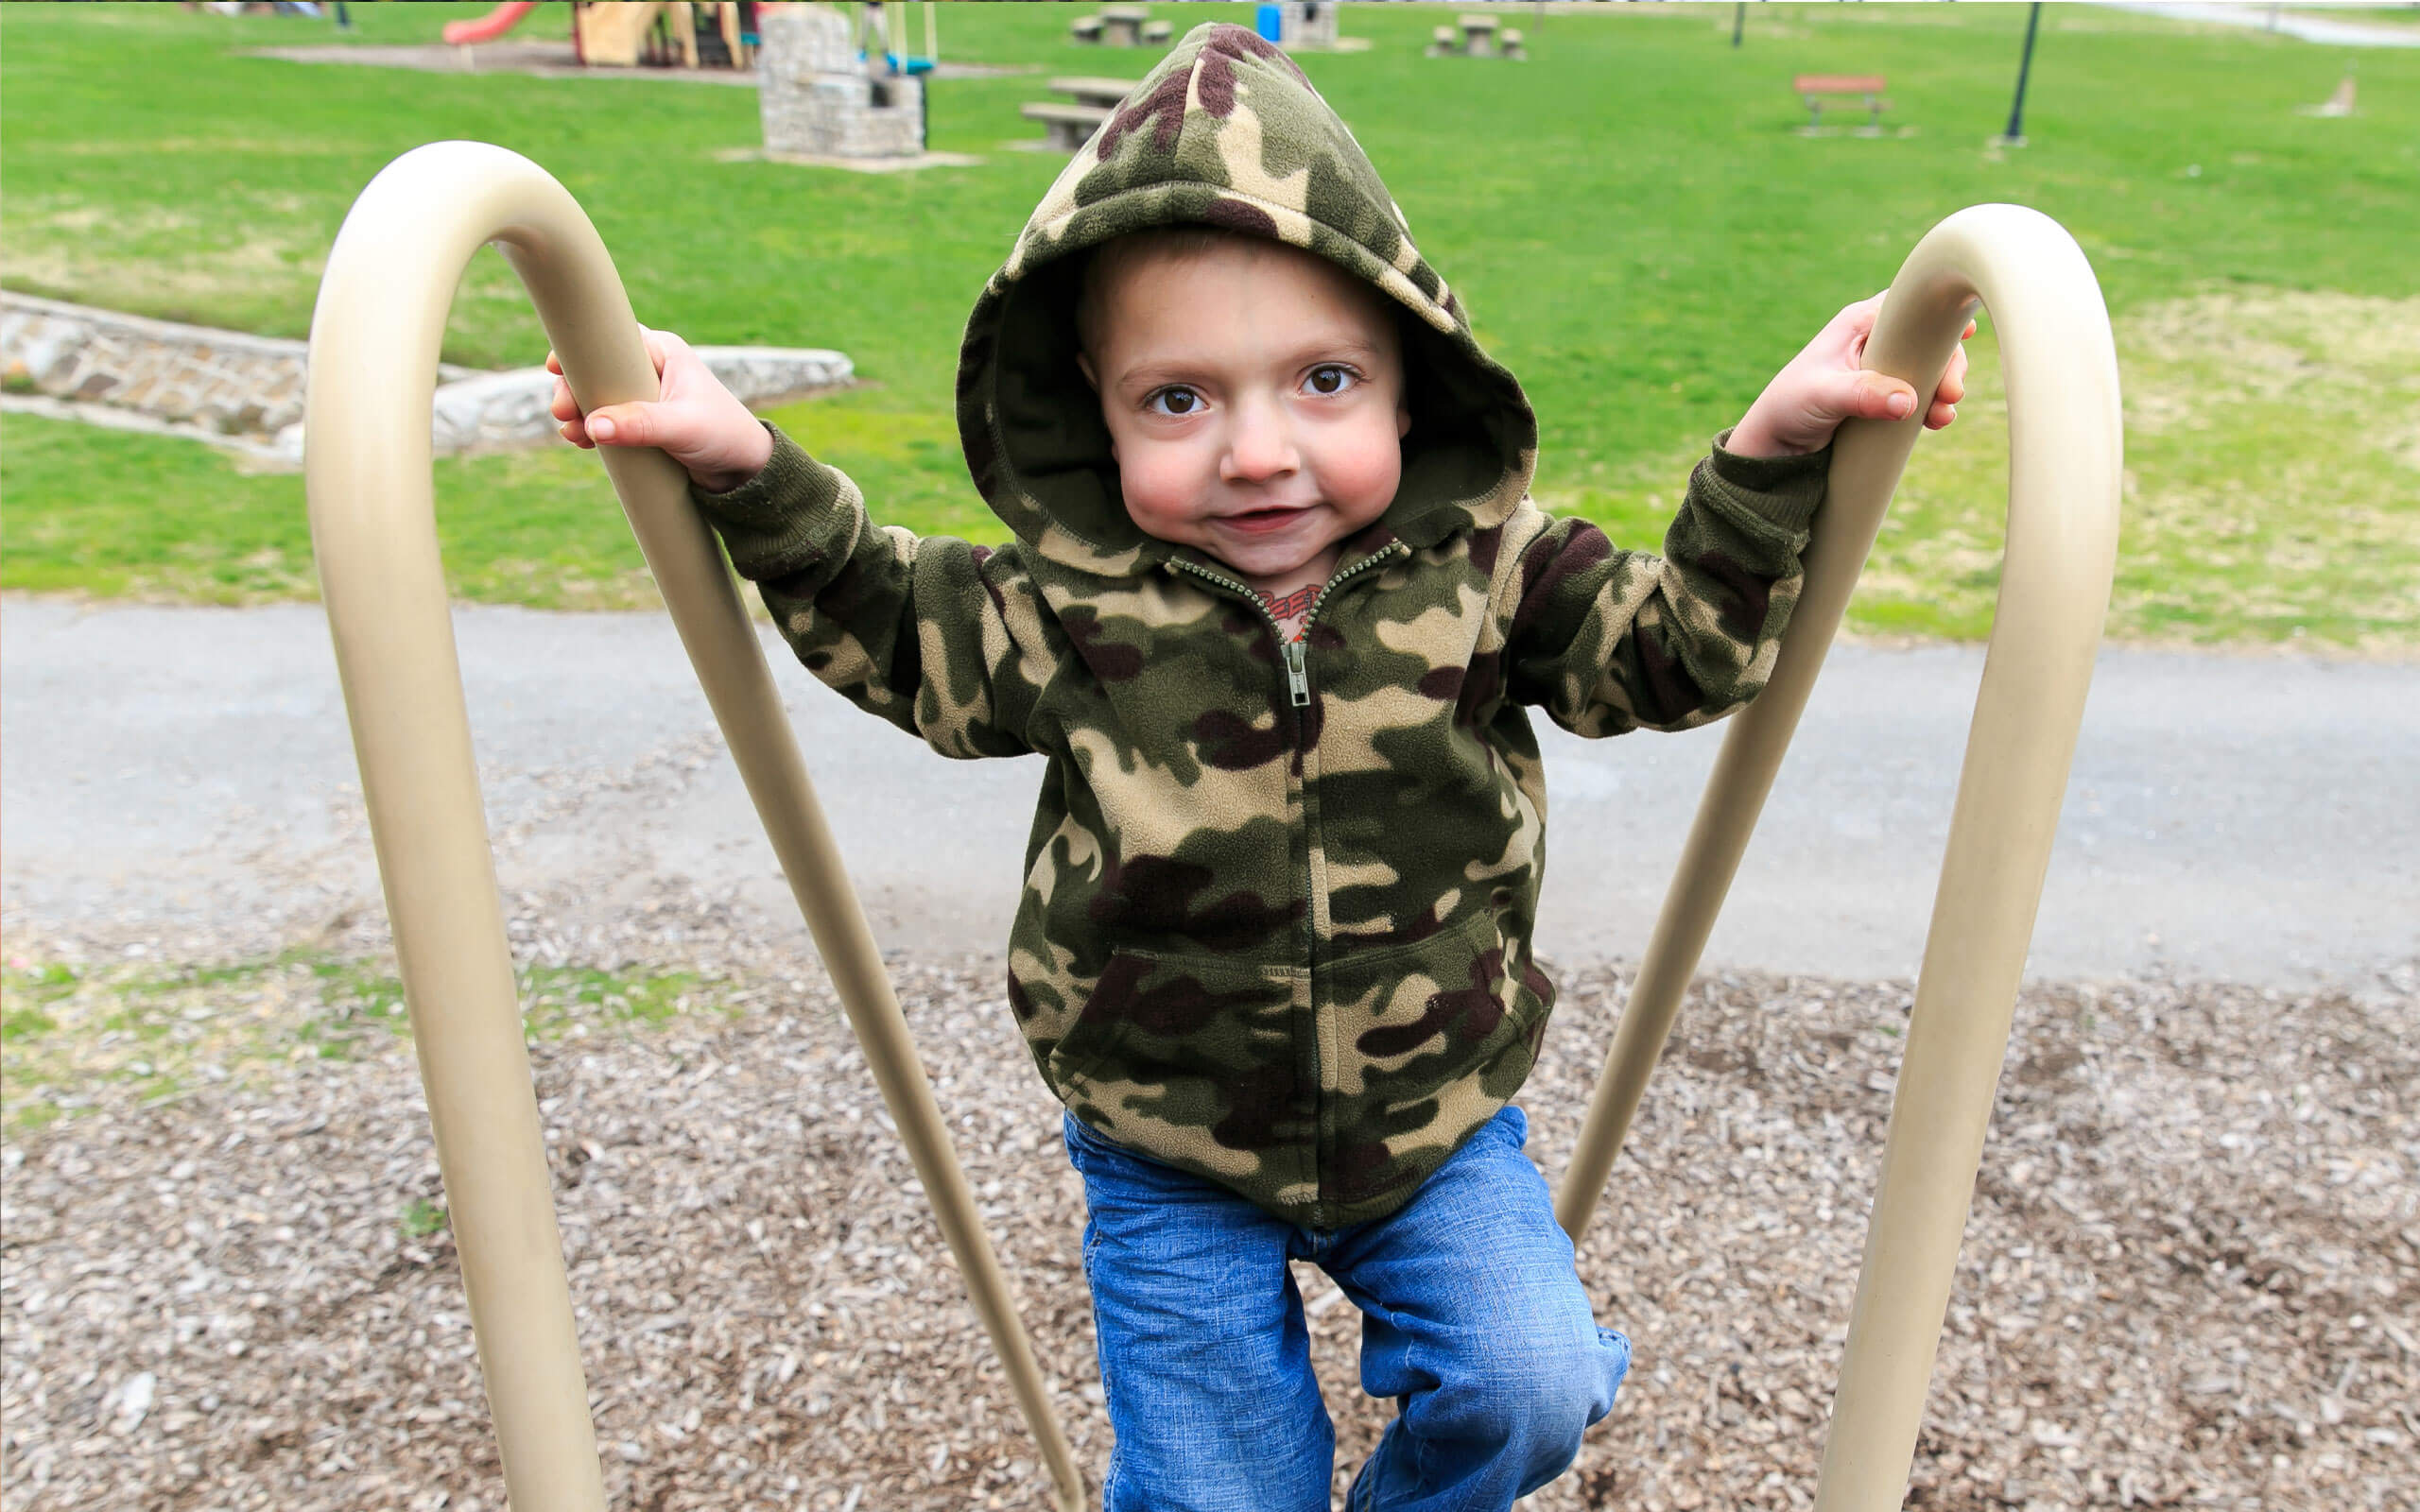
<point>1875,397</point>
<point>623,425</point>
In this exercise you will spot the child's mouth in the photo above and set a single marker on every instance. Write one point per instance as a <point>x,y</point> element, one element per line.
<point>1262,519</point>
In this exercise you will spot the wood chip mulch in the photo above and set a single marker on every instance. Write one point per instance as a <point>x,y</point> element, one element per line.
<point>2191,1277</point>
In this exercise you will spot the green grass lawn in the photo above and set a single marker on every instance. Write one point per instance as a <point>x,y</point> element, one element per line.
<point>74,1039</point>
<point>1633,220</point>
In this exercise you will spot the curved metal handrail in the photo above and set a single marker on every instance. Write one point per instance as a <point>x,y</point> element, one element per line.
<point>372,363</point>
<point>2065,435</point>
<point>375,339</point>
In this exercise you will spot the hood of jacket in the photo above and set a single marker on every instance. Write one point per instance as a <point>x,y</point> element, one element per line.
<point>1224,133</point>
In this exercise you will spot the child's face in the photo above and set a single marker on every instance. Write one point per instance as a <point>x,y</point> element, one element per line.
<point>1254,398</point>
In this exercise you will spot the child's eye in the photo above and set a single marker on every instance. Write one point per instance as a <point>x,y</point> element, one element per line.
<point>1174,400</point>
<point>1331,378</point>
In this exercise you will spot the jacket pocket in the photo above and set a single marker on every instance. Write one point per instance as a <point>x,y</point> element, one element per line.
<point>1197,1060</point>
<point>1430,1041</point>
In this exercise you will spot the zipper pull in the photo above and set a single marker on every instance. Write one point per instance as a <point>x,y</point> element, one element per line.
<point>1297,677</point>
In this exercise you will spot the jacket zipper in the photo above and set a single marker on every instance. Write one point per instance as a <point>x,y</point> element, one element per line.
<point>1298,683</point>
<point>1296,652</point>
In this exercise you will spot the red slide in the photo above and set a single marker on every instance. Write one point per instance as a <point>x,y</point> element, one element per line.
<point>490,26</point>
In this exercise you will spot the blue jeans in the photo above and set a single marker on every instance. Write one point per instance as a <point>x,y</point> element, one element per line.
<point>1473,1318</point>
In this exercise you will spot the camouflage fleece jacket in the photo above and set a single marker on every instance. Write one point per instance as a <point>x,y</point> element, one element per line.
<point>1277,902</point>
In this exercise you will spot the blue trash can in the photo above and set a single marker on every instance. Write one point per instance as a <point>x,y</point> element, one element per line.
<point>1271,22</point>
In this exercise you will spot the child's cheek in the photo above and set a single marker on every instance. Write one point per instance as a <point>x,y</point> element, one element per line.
<point>1161,488</point>
<point>1366,473</point>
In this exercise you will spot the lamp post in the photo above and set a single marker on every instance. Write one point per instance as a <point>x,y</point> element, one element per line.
<point>2014,135</point>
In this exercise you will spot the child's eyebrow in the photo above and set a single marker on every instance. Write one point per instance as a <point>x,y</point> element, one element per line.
<point>1178,368</point>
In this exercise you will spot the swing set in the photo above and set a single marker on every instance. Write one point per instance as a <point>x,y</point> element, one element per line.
<point>374,340</point>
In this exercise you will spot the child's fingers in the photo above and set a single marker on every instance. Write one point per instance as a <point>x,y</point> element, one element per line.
<point>1953,380</point>
<point>652,340</point>
<point>659,346</point>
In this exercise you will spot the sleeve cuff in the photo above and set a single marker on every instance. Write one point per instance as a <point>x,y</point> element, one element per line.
<point>1784,490</point>
<point>787,464</point>
<point>777,521</point>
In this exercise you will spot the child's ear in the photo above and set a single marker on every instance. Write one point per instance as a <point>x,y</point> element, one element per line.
<point>1403,422</point>
<point>1084,362</point>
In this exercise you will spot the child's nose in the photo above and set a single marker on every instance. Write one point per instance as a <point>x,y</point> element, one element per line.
<point>1260,445</point>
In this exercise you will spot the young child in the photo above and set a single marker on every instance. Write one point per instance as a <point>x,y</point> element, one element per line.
<point>1277,601</point>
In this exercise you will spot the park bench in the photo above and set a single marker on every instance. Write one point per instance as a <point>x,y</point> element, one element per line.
<point>1158,31</point>
<point>1104,94</point>
<point>1085,28</point>
<point>1124,25</point>
<point>1817,88</point>
<point>1069,126</point>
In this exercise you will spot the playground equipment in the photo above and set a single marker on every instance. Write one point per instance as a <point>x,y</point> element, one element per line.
<point>374,340</point>
<point>622,35</point>
<point>691,36</point>
<point>883,42</point>
<point>490,26</point>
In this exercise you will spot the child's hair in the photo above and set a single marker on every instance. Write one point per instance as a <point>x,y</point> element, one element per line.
<point>1102,264</point>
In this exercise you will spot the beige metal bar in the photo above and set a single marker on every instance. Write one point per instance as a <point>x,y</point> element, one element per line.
<point>375,339</point>
<point>2065,439</point>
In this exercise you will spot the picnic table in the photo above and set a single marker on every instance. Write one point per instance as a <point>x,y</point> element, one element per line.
<point>1480,37</point>
<point>1067,127</point>
<point>1121,26</point>
<point>1069,124</point>
<point>1102,93</point>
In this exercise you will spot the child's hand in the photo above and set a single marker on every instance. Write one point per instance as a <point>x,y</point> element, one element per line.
<point>694,418</point>
<point>1823,386</point>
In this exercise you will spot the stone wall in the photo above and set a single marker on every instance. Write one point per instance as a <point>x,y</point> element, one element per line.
<point>817,99</point>
<point>1309,26</point>
<point>246,391</point>
<point>221,380</point>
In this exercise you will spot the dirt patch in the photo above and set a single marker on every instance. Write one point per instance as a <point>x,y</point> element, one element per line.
<point>76,251</point>
<point>2190,358</point>
<point>2192,1275</point>
<point>544,59</point>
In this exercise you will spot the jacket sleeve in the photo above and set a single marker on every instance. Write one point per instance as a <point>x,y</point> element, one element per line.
<point>947,640</point>
<point>1608,641</point>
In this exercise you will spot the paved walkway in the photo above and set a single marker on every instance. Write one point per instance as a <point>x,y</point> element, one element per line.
<point>2345,28</point>
<point>184,774</point>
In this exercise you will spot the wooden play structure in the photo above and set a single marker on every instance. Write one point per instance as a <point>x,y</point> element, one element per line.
<point>374,339</point>
<point>712,34</point>
<point>676,34</point>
